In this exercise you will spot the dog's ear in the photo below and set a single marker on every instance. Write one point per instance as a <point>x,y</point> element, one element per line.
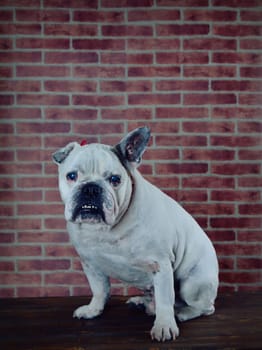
<point>132,146</point>
<point>60,155</point>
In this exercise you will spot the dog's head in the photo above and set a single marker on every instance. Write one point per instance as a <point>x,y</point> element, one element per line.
<point>95,180</point>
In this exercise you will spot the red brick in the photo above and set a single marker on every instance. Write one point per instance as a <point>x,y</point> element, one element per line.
<point>6,15</point>
<point>236,30</point>
<point>153,71</point>
<point>20,250</point>
<point>39,209</point>
<point>250,236</point>
<point>127,114</point>
<point>167,85</point>
<point>42,99</point>
<point>250,99</point>
<point>250,181</point>
<point>176,140</point>
<point>6,72</point>
<point>42,15</point>
<point>101,128</point>
<point>99,44</point>
<point>7,266</point>
<point>174,168</point>
<point>210,44</point>
<point>182,29</point>
<point>250,209</point>
<point>20,29</point>
<point>43,264</point>
<point>98,16</point>
<point>236,168</point>
<point>243,222</point>
<point>127,30</point>
<point>98,100</point>
<point>237,58</point>
<point>181,58</point>
<point>250,15</point>
<point>71,30</point>
<point>222,235</point>
<point>238,277</point>
<point>208,182</point>
<point>251,72</point>
<point>204,154</point>
<point>38,43</point>
<point>43,127</point>
<point>130,86</point>
<point>6,100</point>
<point>20,279</point>
<point>209,98</point>
<point>208,127</point>
<point>70,86</point>
<point>184,112</point>
<point>127,3</point>
<point>237,112</point>
<point>71,57</point>
<point>235,141</point>
<point>92,4</point>
<point>153,44</point>
<point>20,86</point>
<point>62,114</point>
<point>99,72</point>
<point>226,263</point>
<point>153,99</point>
<point>249,263</point>
<point>235,85</point>
<point>250,127</point>
<point>187,3</point>
<point>153,15</point>
<point>250,155</point>
<point>66,278</point>
<point>60,251</point>
<point>126,58</point>
<point>6,44</point>
<point>43,237</point>
<point>209,15</point>
<point>237,4</point>
<point>251,44</point>
<point>210,209</point>
<point>209,71</point>
<point>26,168</point>
<point>42,71</point>
<point>234,195</point>
<point>20,56</point>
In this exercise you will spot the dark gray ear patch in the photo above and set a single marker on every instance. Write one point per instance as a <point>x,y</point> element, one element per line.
<point>60,155</point>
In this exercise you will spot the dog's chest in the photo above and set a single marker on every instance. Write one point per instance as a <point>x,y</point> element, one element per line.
<point>121,260</point>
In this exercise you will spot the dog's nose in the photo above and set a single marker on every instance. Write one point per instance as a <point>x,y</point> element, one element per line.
<point>92,190</point>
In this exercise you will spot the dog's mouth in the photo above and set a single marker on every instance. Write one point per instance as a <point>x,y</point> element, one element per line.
<point>88,212</point>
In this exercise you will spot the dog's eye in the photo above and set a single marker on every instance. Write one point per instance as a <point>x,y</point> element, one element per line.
<point>72,176</point>
<point>115,180</point>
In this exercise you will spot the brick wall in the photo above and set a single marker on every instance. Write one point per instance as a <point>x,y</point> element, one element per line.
<point>95,69</point>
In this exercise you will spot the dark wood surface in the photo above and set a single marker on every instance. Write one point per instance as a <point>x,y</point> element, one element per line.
<point>47,323</point>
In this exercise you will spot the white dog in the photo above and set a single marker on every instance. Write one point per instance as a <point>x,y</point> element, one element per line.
<point>124,227</point>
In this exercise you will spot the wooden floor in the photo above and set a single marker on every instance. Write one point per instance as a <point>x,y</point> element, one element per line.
<point>47,323</point>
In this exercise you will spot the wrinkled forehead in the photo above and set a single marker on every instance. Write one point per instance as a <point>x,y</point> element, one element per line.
<point>96,159</point>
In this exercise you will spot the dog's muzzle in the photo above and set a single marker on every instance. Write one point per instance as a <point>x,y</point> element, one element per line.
<point>89,204</point>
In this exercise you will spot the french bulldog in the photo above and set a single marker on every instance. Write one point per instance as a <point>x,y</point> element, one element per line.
<point>124,227</point>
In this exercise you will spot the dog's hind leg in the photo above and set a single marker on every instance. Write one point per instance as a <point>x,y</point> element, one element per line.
<point>198,297</point>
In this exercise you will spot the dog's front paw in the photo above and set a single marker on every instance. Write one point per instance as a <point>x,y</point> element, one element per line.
<point>164,330</point>
<point>87,312</point>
